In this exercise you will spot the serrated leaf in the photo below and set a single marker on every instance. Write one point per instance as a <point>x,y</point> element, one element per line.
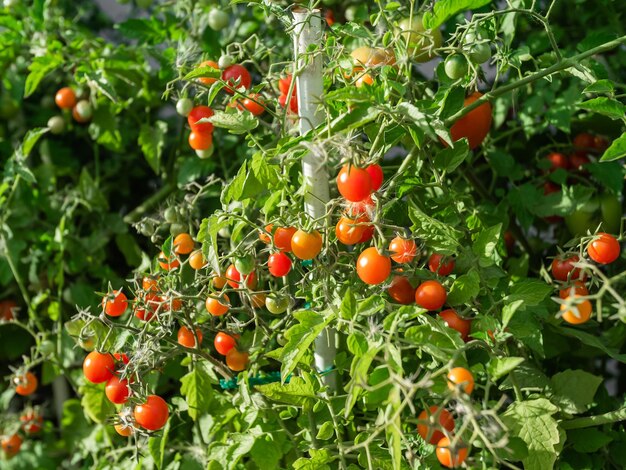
<point>450,158</point>
<point>208,72</point>
<point>509,310</point>
<point>601,86</point>
<point>207,235</point>
<point>95,403</point>
<point>326,431</point>
<point>499,367</point>
<point>464,288</point>
<point>236,122</point>
<point>359,372</point>
<point>531,291</point>
<point>444,9</point>
<point>440,236</point>
<point>298,391</point>
<point>616,150</point>
<point>574,390</point>
<point>347,310</point>
<point>196,387</point>
<point>152,143</point>
<point>486,244</point>
<point>605,106</point>
<point>39,68</point>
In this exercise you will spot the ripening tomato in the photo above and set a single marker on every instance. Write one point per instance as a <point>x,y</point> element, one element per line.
<point>186,337</point>
<point>431,422</point>
<point>218,307</point>
<point>401,290</point>
<point>7,310</point>
<point>474,125</point>
<point>11,445</point>
<point>578,288</point>
<point>353,183</point>
<point>440,264</point>
<point>282,238</point>
<point>197,113</point>
<point>279,264</point>
<point>208,80</point>
<point>258,299</point>
<point>224,343</point>
<point>32,422</point>
<point>372,267</point>
<point>284,84</point>
<point>293,103</point>
<point>363,80</point>
<point>65,98</point>
<point>219,282</point>
<point>461,377</point>
<point>183,244</point>
<point>153,414</point>
<point>150,284</point>
<point>430,295</point>
<point>578,159</point>
<point>254,103</point>
<point>557,160</point>
<point>238,76</point>
<point>245,264</point>
<point>117,390</point>
<point>25,384</point>
<point>329,16</point>
<point>583,141</point>
<point>604,248</point>
<point>235,281</point>
<point>123,430</point>
<point>376,176</point>
<point>266,236</point>
<point>577,314</point>
<point>121,357</point>
<point>306,245</point>
<point>563,268</point>
<point>200,141</point>
<point>115,303</point>
<point>196,260</point>
<point>173,304</point>
<point>448,456</point>
<point>98,367</point>
<point>237,360</point>
<point>454,321</point>
<point>403,250</point>
<point>276,304</point>
<point>166,263</point>
<point>147,311</point>
<point>82,112</point>
<point>350,231</point>
<point>422,43</point>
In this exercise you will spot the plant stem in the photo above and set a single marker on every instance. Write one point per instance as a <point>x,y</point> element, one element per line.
<point>588,421</point>
<point>153,200</point>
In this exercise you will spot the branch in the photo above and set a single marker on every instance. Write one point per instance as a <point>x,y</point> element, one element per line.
<point>588,421</point>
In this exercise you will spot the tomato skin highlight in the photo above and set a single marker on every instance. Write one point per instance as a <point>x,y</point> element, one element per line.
<point>460,376</point>
<point>237,360</point>
<point>444,421</point>
<point>223,343</point>
<point>26,384</point>
<point>306,245</point>
<point>475,125</point>
<point>152,414</point>
<point>563,268</point>
<point>372,267</point>
<point>216,308</point>
<point>454,321</point>
<point>235,280</point>
<point>117,390</point>
<point>450,458</point>
<point>115,303</point>
<point>440,264</point>
<point>404,250</point>
<point>604,249</point>
<point>186,337</point>
<point>353,183</point>
<point>254,104</point>
<point>98,367</point>
<point>430,295</point>
<point>279,264</point>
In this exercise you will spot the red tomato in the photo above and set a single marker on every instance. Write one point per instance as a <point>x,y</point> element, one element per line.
<point>578,159</point>
<point>354,184</point>
<point>11,445</point>
<point>279,264</point>
<point>237,360</point>
<point>440,264</point>
<point>376,175</point>
<point>186,337</point>
<point>208,80</point>
<point>254,104</point>
<point>65,98</point>
<point>282,238</point>
<point>403,249</point>
<point>7,310</point>
<point>584,141</point>
<point>600,143</point>
<point>32,422</point>
<point>549,187</point>
<point>25,384</point>
<point>293,103</point>
<point>153,414</point>
<point>147,311</point>
<point>562,266</point>
<point>117,390</point>
<point>224,343</point>
<point>284,84</point>
<point>431,421</point>
<point>448,456</point>
<point>216,307</point>
<point>329,16</point>
<point>461,377</point>
<point>604,248</point>
<point>430,295</point>
<point>557,160</point>
<point>368,234</point>
<point>454,321</point>
<point>197,113</point>
<point>98,367</point>
<point>401,290</point>
<point>115,303</point>
<point>234,278</point>
<point>306,245</point>
<point>578,288</point>
<point>200,141</point>
<point>372,267</point>
<point>121,357</point>
<point>474,125</point>
<point>238,76</point>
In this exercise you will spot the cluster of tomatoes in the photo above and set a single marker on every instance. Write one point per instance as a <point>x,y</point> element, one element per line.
<point>31,419</point>
<point>66,99</point>
<point>603,249</point>
<point>284,85</point>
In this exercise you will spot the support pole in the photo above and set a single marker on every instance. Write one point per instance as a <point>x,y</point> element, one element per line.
<point>309,80</point>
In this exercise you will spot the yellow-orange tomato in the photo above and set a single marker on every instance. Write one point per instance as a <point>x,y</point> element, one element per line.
<point>364,79</point>
<point>350,231</point>
<point>196,260</point>
<point>115,303</point>
<point>403,250</point>
<point>65,98</point>
<point>474,125</point>
<point>306,245</point>
<point>26,384</point>
<point>216,308</point>
<point>372,267</point>
<point>150,284</point>
<point>580,313</point>
<point>11,445</point>
<point>448,456</point>
<point>219,282</point>
<point>370,57</point>
<point>186,337</point>
<point>258,299</point>
<point>123,430</point>
<point>200,140</point>
<point>429,427</point>
<point>237,360</point>
<point>168,263</point>
<point>460,376</point>
<point>208,80</point>
<point>183,244</point>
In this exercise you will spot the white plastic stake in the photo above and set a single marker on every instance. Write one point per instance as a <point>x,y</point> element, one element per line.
<point>307,32</point>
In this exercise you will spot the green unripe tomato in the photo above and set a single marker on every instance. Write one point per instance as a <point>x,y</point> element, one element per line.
<point>184,106</point>
<point>56,124</point>
<point>177,228</point>
<point>204,154</point>
<point>480,53</point>
<point>84,109</point>
<point>584,219</point>
<point>421,43</point>
<point>218,19</point>
<point>611,209</point>
<point>276,304</point>
<point>225,61</point>
<point>146,228</point>
<point>455,66</point>
<point>171,215</point>
<point>245,264</point>
<point>47,347</point>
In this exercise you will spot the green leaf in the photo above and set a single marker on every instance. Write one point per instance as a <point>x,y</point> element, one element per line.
<point>393,430</point>
<point>39,68</point>
<point>509,310</point>
<point>450,158</point>
<point>452,102</point>
<point>267,451</point>
<point>152,143</point>
<point>444,9</point>
<point>574,390</point>
<point>439,236</point>
<point>593,341</point>
<point>616,150</point>
<point>608,174</point>
<point>31,138</point>
<point>298,391</point>
<point>157,445</point>
<point>605,106</point>
<point>531,291</point>
<point>464,289</point>
<point>236,123</point>
<point>359,371</point>
<point>601,86</point>
<point>229,454</point>
<point>434,337</point>
<point>587,440</point>
<point>326,431</point>
<point>348,305</point>
<point>196,387</point>
<point>95,403</point>
<point>532,421</point>
<point>499,367</point>
<point>207,235</point>
<point>486,244</point>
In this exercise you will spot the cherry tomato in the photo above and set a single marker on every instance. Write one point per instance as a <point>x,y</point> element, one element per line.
<point>455,66</point>
<point>198,141</point>
<point>234,278</point>
<point>151,304</point>
<point>604,248</point>
<point>25,384</point>
<point>115,303</point>
<point>186,337</point>
<point>267,237</point>
<point>238,76</point>
<point>293,103</point>
<point>208,80</point>
<point>474,125</point>
<point>284,84</point>
<point>461,377</point>
<point>123,430</point>
<point>153,414</point>
<point>11,445</point>
<point>600,143</point>
<point>353,183</point>
<point>578,288</point>
<point>216,308</point>
<point>454,321</point>
<point>368,234</point>
<point>65,98</point>
<point>224,343</point>
<point>219,282</point>
<point>196,260</point>
<point>218,19</point>
<point>580,313</point>
<point>166,263</point>
<point>578,159</point>
<point>329,16</point>
<point>279,264</point>
<point>430,295</point>
<point>376,176</point>
<point>82,112</point>
<point>197,113</point>
<point>121,357</point>
<point>403,249</point>
<point>150,284</point>
<point>549,187</point>
<point>563,268</point>
<point>372,267</point>
<point>282,238</point>
<point>7,310</point>
<point>448,456</point>
<point>276,304</point>
<point>184,106</point>
<point>431,421</point>
<point>557,160</point>
<point>254,103</point>
<point>480,53</point>
<point>258,300</point>
<point>583,141</point>
<point>401,290</point>
<point>350,231</point>
<point>306,245</point>
<point>244,264</point>
<point>98,367</point>
<point>422,43</point>
<point>363,80</point>
<point>117,390</point>
<point>440,264</point>
<point>32,422</point>
<point>509,241</point>
<point>237,360</point>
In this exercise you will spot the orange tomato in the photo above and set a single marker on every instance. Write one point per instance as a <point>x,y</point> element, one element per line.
<point>168,263</point>
<point>25,384</point>
<point>474,125</point>
<point>431,421</point>
<point>196,260</point>
<point>578,288</point>
<point>200,141</point>
<point>350,231</point>
<point>454,321</point>
<point>215,307</point>
<point>11,445</point>
<point>403,249</point>
<point>186,337</point>
<point>208,80</point>
<point>65,98</point>
<point>372,267</point>
<point>448,456</point>
<point>183,244</point>
<point>461,377</point>
<point>581,313</point>
<point>237,360</point>
<point>401,290</point>
<point>306,245</point>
